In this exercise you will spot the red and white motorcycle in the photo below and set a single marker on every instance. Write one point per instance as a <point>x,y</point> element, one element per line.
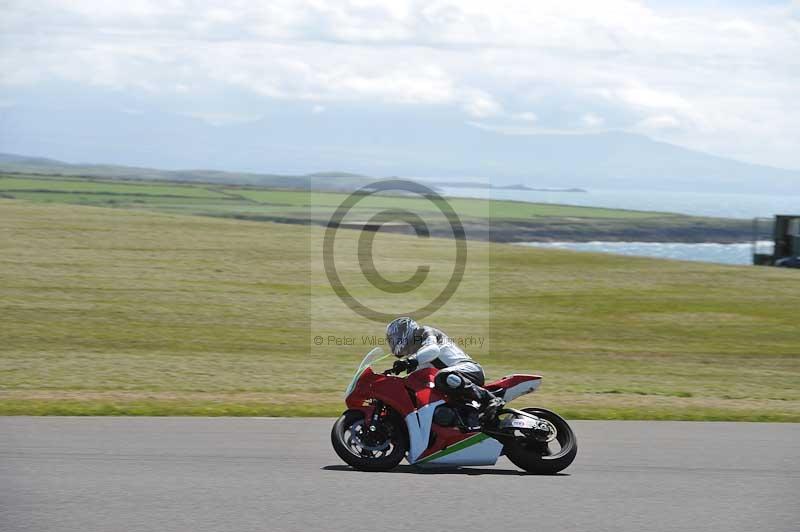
<point>391,417</point>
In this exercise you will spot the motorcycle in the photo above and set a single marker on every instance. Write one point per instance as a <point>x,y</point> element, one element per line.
<point>390,418</point>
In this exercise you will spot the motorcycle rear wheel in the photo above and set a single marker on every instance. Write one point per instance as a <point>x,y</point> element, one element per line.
<point>536,456</point>
<point>364,451</point>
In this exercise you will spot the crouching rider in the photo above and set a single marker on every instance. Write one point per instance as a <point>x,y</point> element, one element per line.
<point>460,378</point>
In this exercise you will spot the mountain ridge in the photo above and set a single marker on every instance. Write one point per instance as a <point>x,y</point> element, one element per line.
<point>34,165</point>
<point>433,144</point>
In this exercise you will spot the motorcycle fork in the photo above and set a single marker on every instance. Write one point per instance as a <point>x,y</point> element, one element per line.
<point>372,414</point>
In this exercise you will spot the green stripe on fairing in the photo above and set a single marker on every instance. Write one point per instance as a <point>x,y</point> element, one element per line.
<point>463,444</point>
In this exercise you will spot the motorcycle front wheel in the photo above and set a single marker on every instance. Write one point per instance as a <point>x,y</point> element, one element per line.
<point>542,455</point>
<point>366,450</point>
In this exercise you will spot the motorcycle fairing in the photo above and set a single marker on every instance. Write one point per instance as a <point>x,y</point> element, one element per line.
<point>421,383</point>
<point>512,386</point>
<point>390,390</point>
<point>419,429</point>
<point>476,449</point>
<point>450,446</point>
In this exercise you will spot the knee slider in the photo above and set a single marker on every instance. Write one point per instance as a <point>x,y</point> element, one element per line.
<point>454,381</point>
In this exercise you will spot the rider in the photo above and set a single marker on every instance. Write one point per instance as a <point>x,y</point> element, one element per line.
<point>459,376</point>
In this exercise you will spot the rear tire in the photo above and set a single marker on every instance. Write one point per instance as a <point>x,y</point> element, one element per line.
<point>532,456</point>
<point>346,439</point>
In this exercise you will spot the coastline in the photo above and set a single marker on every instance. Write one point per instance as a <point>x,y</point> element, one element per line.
<point>677,229</point>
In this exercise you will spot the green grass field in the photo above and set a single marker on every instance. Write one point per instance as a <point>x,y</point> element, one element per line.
<point>495,220</point>
<point>123,311</point>
<point>194,196</point>
<point>74,185</point>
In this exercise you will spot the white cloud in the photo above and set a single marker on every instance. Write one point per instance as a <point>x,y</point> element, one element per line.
<point>723,79</point>
<point>479,104</point>
<point>591,120</point>
<point>645,97</point>
<point>526,116</point>
<point>224,119</point>
<point>655,123</point>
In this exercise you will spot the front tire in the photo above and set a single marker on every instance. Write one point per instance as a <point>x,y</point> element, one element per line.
<point>538,457</point>
<point>368,451</point>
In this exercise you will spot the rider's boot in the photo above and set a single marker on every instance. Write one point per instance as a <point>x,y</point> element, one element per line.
<point>472,422</point>
<point>489,405</point>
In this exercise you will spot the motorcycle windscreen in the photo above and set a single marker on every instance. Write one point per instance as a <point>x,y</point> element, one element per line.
<point>371,358</point>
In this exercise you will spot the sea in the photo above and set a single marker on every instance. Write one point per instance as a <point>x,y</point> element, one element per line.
<point>724,205</point>
<point>707,252</point>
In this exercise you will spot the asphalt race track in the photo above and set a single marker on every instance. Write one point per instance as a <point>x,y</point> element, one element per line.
<point>245,474</point>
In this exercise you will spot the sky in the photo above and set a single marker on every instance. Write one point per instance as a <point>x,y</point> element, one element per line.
<point>719,77</point>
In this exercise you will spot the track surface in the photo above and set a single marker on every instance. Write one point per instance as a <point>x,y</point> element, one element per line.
<point>242,474</point>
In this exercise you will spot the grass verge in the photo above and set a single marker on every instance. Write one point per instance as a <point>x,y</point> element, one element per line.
<point>116,311</point>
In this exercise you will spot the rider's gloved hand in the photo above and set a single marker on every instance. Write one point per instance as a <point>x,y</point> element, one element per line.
<point>399,366</point>
<point>409,365</point>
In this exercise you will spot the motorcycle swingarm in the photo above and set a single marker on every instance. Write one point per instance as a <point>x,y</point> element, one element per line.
<point>520,420</point>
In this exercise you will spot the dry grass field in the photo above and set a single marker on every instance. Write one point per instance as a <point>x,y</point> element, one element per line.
<point>122,311</point>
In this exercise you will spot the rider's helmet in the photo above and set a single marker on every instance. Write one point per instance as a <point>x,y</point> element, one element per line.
<point>400,335</point>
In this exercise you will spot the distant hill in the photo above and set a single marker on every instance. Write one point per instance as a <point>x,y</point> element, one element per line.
<point>328,180</point>
<point>481,184</point>
<point>11,159</point>
<point>433,142</point>
<point>334,174</point>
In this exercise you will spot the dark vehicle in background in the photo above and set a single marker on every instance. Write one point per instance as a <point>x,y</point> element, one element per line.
<point>785,250</point>
<point>788,262</point>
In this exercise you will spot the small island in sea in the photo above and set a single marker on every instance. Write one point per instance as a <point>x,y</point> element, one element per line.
<point>519,186</point>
